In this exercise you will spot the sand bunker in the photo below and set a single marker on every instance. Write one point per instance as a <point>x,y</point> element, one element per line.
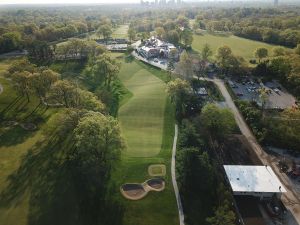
<point>136,191</point>
<point>28,126</point>
<point>9,123</point>
<point>157,170</point>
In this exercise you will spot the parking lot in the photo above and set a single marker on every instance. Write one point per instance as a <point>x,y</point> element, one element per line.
<point>278,97</point>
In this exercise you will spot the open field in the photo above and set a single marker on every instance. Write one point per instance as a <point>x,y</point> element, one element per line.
<point>119,32</point>
<point>147,119</point>
<point>240,46</point>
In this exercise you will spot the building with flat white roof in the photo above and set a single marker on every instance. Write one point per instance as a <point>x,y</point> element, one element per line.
<point>258,181</point>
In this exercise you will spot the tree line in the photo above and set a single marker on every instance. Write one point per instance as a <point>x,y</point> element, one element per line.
<point>274,26</point>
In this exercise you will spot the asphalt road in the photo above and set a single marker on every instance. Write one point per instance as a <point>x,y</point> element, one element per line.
<point>290,199</point>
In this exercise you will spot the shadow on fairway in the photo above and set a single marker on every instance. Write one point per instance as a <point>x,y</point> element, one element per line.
<point>56,198</point>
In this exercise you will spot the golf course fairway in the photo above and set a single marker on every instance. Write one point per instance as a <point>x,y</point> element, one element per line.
<point>146,117</point>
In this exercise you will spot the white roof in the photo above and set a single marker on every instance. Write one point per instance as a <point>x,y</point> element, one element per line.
<point>253,179</point>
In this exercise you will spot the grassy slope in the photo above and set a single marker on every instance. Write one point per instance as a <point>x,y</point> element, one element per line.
<point>15,143</point>
<point>240,46</point>
<point>156,208</point>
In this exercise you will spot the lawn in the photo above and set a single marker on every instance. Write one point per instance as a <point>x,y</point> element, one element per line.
<point>240,46</point>
<point>147,122</point>
<point>15,143</point>
<point>121,31</point>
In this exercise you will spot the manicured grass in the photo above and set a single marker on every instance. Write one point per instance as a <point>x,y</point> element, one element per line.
<point>147,119</point>
<point>240,46</point>
<point>141,118</point>
<point>121,31</point>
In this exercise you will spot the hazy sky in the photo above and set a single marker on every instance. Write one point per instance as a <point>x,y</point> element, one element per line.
<point>65,1</point>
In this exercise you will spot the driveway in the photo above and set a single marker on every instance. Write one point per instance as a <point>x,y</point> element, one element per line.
<point>290,199</point>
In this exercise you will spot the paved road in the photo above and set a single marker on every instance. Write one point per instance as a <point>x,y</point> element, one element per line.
<point>173,173</point>
<point>290,199</point>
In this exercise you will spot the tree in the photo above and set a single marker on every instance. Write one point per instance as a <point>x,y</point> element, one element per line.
<point>88,101</point>
<point>263,97</point>
<point>160,32</point>
<point>206,52</point>
<point>22,65</point>
<point>98,142</point>
<point>131,34</point>
<point>187,37</point>
<point>278,51</point>
<point>178,91</point>
<point>200,68</point>
<point>216,122</point>
<point>22,81</point>
<point>63,92</point>
<point>172,37</point>
<point>223,55</point>
<point>261,53</point>
<point>105,31</point>
<point>10,41</point>
<point>185,66</point>
<point>223,216</point>
<point>40,51</point>
<point>227,61</point>
<point>42,81</point>
<point>105,68</point>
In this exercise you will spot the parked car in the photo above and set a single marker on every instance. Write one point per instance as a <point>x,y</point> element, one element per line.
<point>277,91</point>
<point>239,94</point>
<point>155,60</point>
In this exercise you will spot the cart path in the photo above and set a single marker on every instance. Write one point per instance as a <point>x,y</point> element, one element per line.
<point>173,173</point>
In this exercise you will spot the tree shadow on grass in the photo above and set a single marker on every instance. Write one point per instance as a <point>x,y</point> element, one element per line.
<point>14,136</point>
<point>55,198</point>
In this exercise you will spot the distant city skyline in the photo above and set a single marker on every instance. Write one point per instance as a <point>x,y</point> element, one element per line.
<point>108,1</point>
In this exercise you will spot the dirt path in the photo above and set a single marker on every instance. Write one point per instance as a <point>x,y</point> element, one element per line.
<point>173,173</point>
<point>290,199</point>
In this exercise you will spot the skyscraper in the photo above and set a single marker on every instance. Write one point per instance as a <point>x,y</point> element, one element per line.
<point>275,2</point>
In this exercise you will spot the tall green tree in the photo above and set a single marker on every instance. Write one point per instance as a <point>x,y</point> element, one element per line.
<point>206,52</point>
<point>223,216</point>
<point>216,122</point>
<point>261,53</point>
<point>178,91</point>
<point>105,69</point>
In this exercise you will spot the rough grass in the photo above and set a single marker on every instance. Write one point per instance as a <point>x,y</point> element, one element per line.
<point>240,46</point>
<point>15,143</point>
<point>151,111</point>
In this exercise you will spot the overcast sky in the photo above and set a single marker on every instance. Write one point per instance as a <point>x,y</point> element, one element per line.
<point>65,1</point>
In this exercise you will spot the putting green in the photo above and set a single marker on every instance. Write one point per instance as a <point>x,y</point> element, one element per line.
<point>142,116</point>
